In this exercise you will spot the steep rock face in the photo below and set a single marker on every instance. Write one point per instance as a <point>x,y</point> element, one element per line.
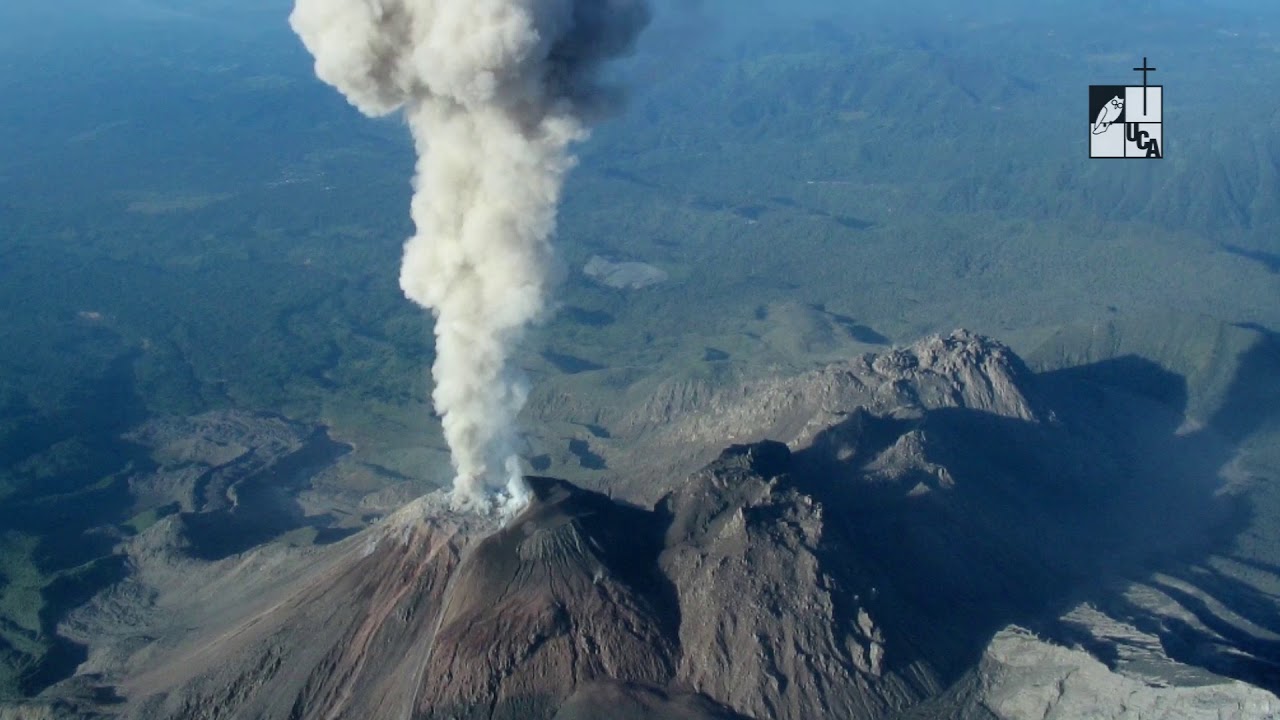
<point>567,593</point>
<point>770,625</point>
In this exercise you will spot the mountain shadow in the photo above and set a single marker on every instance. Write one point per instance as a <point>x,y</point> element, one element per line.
<point>966,522</point>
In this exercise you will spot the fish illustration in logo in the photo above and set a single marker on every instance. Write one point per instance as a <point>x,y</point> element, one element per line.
<point>1108,114</point>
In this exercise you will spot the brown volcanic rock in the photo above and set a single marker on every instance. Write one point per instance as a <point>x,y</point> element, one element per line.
<point>623,701</point>
<point>435,615</point>
<point>349,639</point>
<point>399,593</point>
<point>770,625</point>
<point>567,593</point>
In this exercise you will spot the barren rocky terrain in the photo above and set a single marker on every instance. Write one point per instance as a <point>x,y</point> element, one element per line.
<point>934,531</point>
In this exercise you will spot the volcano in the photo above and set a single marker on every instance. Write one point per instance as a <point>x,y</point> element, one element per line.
<point>938,531</point>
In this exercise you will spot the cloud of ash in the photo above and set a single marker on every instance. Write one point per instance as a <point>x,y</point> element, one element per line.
<point>495,92</point>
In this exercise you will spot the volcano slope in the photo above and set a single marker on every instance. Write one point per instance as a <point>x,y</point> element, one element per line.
<point>933,532</point>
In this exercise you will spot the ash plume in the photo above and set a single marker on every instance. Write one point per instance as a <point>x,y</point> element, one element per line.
<point>495,93</point>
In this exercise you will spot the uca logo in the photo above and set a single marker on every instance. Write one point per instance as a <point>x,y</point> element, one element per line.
<point>1127,121</point>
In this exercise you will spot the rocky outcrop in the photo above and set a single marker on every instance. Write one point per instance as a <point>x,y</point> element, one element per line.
<point>1023,676</point>
<point>666,429</point>
<point>771,623</point>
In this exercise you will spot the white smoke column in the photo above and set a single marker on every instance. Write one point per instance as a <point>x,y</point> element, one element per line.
<point>494,91</point>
